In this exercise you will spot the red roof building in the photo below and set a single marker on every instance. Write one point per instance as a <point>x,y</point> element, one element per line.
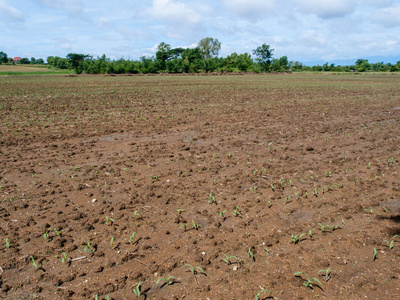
<point>16,59</point>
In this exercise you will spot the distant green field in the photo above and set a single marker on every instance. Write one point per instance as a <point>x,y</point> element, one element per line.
<point>30,70</point>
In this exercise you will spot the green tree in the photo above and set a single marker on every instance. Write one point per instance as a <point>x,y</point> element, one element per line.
<point>209,47</point>
<point>3,57</point>
<point>362,65</point>
<point>76,61</point>
<point>25,61</point>
<point>263,55</point>
<point>162,55</point>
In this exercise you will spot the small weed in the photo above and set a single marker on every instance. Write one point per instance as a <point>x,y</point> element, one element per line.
<point>180,210</point>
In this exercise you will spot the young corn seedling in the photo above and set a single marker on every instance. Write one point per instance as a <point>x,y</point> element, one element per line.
<point>131,237</point>
<point>136,214</point>
<point>261,292</point>
<point>63,257</point>
<point>250,253</point>
<point>335,227</point>
<point>229,259</point>
<point>137,289</point>
<point>7,242</point>
<point>169,281</point>
<point>34,264</point>
<point>326,273</point>
<point>375,255</point>
<point>309,282</point>
<point>272,187</point>
<point>87,247</point>
<point>211,199</point>
<point>369,210</point>
<point>154,177</point>
<point>183,226</point>
<point>323,227</point>
<point>269,204</point>
<point>194,225</point>
<point>310,233</point>
<point>180,210</point>
<point>46,235</point>
<point>112,242</point>
<point>194,270</point>
<point>222,213</point>
<point>315,193</point>
<point>58,233</point>
<point>109,221</point>
<point>296,239</point>
<point>391,243</point>
<point>236,212</point>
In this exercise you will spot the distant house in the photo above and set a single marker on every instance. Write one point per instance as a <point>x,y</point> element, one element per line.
<point>16,59</point>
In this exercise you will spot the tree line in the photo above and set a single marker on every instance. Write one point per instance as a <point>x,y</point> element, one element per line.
<point>203,58</point>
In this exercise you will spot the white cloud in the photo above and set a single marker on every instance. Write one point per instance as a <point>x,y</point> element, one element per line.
<point>72,7</point>
<point>328,8</point>
<point>174,12</point>
<point>250,9</point>
<point>311,37</point>
<point>10,13</point>
<point>389,17</point>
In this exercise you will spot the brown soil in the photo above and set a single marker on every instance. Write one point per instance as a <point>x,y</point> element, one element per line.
<point>108,182</point>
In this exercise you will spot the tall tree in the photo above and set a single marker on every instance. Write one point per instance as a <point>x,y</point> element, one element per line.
<point>3,57</point>
<point>76,61</point>
<point>209,47</point>
<point>162,55</point>
<point>263,55</point>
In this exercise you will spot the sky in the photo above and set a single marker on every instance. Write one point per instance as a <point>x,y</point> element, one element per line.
<point>303,30</point>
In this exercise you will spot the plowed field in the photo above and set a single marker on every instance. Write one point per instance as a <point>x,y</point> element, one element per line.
<point>200,187</point>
